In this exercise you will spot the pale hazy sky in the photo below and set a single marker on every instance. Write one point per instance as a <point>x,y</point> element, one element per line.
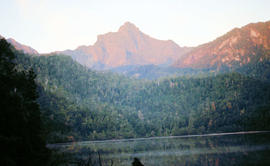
<point>50,25</point>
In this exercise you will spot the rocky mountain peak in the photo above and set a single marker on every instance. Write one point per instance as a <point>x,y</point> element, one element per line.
<point>128,27</point>
<point>127,46</point>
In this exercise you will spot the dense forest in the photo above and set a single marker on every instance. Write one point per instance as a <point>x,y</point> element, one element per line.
<point>52,98</point>
<point>82,104</point>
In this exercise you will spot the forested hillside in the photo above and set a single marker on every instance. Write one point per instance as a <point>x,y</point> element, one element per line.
<point>153,72</point>
<point>82,104</point>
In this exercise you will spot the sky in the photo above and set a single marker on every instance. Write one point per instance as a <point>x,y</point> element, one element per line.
<point>56,25</point>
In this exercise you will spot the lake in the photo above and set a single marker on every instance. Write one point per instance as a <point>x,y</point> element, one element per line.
<point>241,148</point>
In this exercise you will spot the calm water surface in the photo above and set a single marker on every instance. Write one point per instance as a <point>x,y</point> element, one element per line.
<point>214,149</point>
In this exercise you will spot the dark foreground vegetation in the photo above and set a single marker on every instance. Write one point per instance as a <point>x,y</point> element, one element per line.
<point>21,137</point>
<point>48,99</point>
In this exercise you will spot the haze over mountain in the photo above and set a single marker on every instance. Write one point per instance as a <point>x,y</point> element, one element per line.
<point>240,46</point>
<point>127,46</point>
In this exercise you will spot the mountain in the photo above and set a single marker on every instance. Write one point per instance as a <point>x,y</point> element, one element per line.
<point>249,44</point>
<point>133,53</point>
<point>21,47</point>
<point>127,46</point>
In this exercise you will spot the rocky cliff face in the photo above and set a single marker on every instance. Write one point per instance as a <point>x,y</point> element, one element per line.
<point>240,46</point>
<point>127,46</point>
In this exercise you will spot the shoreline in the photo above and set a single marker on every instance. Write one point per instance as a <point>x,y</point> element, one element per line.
<point>153,138</point>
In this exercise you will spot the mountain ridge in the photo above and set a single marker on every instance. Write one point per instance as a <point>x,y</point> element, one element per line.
<point>236,48</point>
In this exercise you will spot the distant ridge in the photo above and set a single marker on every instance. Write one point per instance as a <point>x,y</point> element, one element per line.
<point>21,47</point>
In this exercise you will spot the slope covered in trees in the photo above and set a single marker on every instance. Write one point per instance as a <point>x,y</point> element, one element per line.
<point>81,104</point>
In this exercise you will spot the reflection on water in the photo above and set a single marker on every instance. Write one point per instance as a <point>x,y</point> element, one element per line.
<point>238,149</point>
